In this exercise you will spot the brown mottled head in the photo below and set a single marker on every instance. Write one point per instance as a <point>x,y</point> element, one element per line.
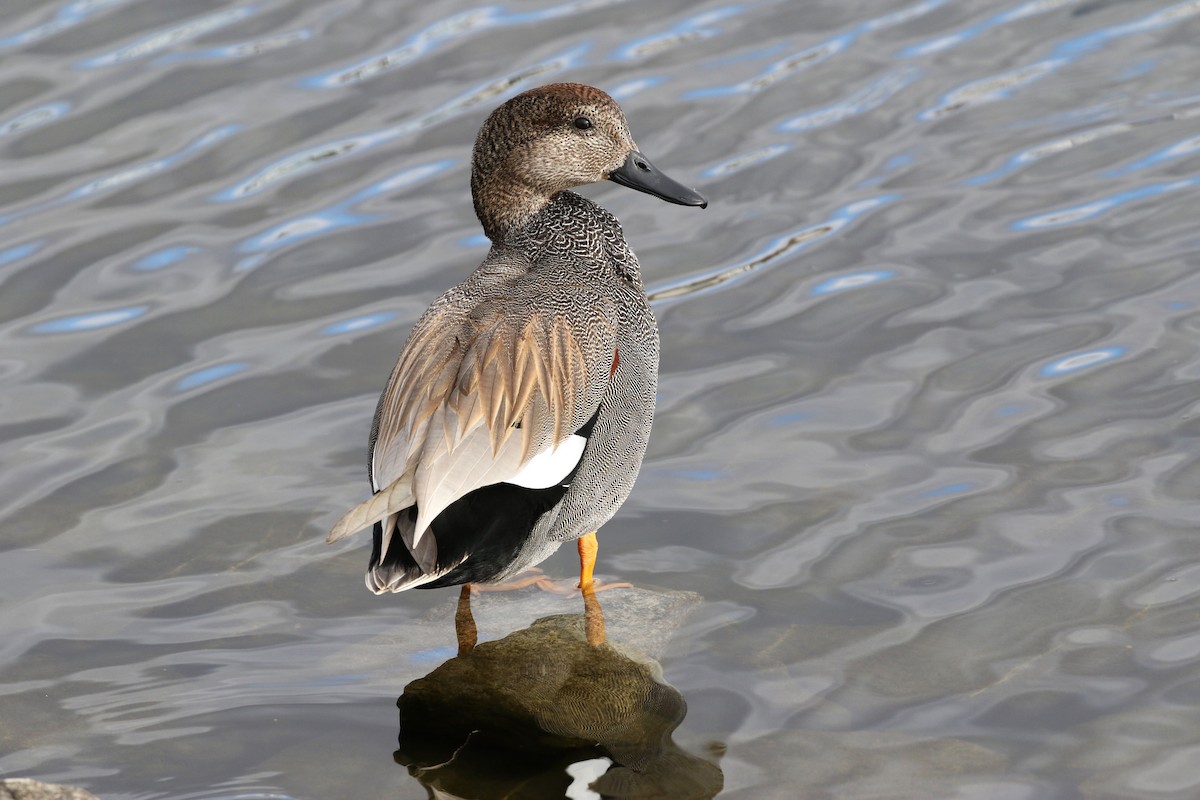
<point>550,139</point>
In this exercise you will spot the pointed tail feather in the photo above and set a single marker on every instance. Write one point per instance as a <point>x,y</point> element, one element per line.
<point>391,499</point>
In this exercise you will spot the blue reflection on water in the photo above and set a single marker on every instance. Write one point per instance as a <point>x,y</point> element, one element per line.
<point>854,280</point>
<point>155,43</point>
<point>475,240</point>
<point>137,172</point>
<point>700,474</point>
<point>1181,149</point>
<point>951,40</point>
<point>164,258</point>
<point>896,162</point>
<point>340,215</point>
<point>990,89</point>
<point>67,17</point>
<point>1046,149</point>
<point>1097,40</point>
<point>426,40</point>
<point>239,50</point>
<point>629,88</point>
<point>791,417</point>
<point>869,97</point>
<point>1139,69</point>
<point>202,377</point>
<point>90,322</point>
<point>302,162</point>
<point>435,655</point>
<point>34,118</point>
<point>811,56</point>
<point>779,70</point>
<point>1094,208</point>
<point>1082,360</point>
<point>434,36</point>
<point>997,87</point>
<point>949,489</point>
<point>20,251</point>
<point>745,160</point>
<point>778,251</point>
<point>758,54</point>
<point>360,323</point>
<point>691,29</point>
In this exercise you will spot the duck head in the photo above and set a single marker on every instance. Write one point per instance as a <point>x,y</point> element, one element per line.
<point>553,138</point>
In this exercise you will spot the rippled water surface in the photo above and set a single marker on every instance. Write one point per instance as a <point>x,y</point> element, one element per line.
<point>926,441</point>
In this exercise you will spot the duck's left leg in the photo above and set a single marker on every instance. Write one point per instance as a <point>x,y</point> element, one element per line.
<point>588,546</point>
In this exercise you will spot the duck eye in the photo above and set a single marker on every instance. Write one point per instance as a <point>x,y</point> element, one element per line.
<point>583,123</point>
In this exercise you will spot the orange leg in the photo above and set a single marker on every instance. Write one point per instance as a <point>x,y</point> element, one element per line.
<point>464,622</point>
<point>587,563</point>
<point>587,559</point>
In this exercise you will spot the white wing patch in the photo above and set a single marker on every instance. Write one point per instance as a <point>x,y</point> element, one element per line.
<point>550,467</point>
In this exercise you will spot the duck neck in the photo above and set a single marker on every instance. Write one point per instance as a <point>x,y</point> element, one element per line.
<point>503,204</point>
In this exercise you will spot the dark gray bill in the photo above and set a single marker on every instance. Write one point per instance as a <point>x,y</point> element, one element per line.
<point>638,173</point>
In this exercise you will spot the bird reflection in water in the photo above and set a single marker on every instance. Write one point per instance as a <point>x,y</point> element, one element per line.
<point>553,710</point>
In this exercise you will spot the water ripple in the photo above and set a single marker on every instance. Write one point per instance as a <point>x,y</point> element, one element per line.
<point>1180,149</point>
<point>208,375</point>
<point>239,50</point>
<point>691,29</point>
<point>746,160</point>
<point>128,176</point>
<point>315,157</point>
<point>1079,361</point>
<point>92,321</point>
<point>854,280</point>
<point>1001,86</point>
<point>19,252</point>
<point>359,323</point>
<point>161,259</point>
<point>69,16</point>
<point>34,118</point>
<point>1091,209</point>
<point>952,40</point>
<point>779,70</point>
<point>342,215</point>
<point>989,89</point>
<point>168,38</point>
<point>811,56</point>
<point>775,253</point>
<point>456,27</point>
<point>860,101</point>
<point>1033,154</point>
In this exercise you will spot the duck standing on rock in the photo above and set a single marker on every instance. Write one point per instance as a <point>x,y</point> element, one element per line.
<point>519,411</point>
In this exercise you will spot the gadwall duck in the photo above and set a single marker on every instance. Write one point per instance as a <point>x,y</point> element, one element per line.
<point>518,413</point>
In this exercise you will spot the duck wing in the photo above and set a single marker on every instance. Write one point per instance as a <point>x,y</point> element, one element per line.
<point>486,395</point>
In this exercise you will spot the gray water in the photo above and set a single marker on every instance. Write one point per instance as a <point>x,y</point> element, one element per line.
<point>925,445</point>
